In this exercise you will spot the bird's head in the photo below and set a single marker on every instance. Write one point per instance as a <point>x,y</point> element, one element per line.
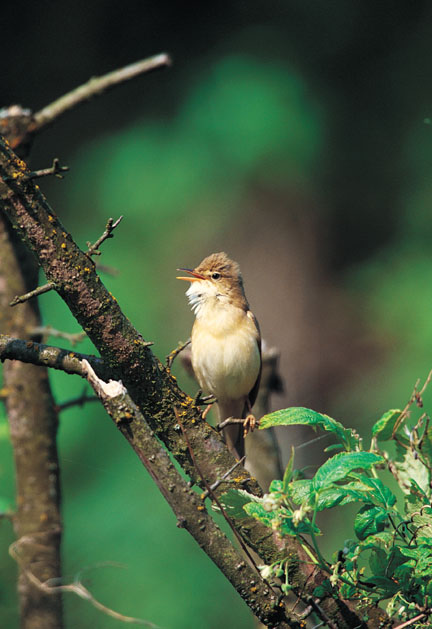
<point>217,281</point>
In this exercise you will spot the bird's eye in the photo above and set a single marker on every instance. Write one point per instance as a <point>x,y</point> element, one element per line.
<point>216,276</point>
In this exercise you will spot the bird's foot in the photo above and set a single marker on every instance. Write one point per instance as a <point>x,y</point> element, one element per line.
<point>249,424</point>
<point>206,410</point>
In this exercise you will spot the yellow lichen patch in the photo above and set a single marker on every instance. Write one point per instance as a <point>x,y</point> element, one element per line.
<point>200,508</point>
<point>50,218</point>
<point>63,245</point>
<point>20,163</point>
<point>71,355</point>
<point>54,231</point>
<point>86,269</point>
<point>254,588</point>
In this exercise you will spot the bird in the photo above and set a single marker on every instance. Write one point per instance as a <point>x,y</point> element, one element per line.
<point>225,343</point>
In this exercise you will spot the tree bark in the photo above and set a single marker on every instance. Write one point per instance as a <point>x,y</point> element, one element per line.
<point>33,430</point>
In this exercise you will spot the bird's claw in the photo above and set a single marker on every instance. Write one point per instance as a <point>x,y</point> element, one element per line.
<point>249,424</point>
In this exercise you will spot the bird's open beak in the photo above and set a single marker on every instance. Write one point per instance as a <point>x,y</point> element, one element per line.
<point>194,277</point>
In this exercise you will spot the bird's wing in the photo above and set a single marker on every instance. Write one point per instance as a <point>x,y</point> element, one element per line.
<point>254,391</point>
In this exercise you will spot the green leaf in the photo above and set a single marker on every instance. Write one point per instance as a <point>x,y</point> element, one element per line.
<point>324,589</point>
<point>288,472</point>
<point>380,492</point>
<point>233,502</point>
<point>258,512</point>
<point>306,417</point>
<point>287,527</point>
<point>388,586</point>
<point>301,491</point>
<point>340,465</point>
<point>370,520</point>
<point>383,428</point>
<point>276,486</point>
<point>337,496</point>
<point>378,561</point>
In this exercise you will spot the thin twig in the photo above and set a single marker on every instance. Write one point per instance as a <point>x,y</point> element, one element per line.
<point>95,87</point>
<point>48,330</point>
<point>93,250</point>
<point>78,401</point>
<point>40,290</point>
<point>411,621</point>
<point>218,482</point>
<point>175,352</point>
<point>77,587</point>
<point>55,170</point>
<point>415,397</point>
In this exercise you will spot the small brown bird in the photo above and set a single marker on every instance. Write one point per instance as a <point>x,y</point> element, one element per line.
<point>226,342</point>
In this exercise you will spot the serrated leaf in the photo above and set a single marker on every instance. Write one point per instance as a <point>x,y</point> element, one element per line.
<point>301,491</point>
<point>381,493</point>
<point>296,416</point>
<point>288,472</point>
<point>383,428</point>
<point>337,496</point>
<point>370,520</point>
<point>340,465</point>
<point>233,502</point>
<point>409,467</point>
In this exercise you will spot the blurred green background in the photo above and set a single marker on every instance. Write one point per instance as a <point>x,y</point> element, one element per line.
<point>295,136</point>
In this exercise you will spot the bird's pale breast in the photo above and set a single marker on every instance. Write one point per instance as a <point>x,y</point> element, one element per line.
<point>225,354</point>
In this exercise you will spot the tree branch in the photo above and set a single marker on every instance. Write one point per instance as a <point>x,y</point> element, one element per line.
<point>33,427</point>
<point>49,356</point>
<point>95,87</point>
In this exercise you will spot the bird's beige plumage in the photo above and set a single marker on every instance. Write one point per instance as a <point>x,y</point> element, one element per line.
<point>226,341</point>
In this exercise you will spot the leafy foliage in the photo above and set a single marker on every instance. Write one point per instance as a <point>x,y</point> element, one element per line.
<point>390,558</point>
